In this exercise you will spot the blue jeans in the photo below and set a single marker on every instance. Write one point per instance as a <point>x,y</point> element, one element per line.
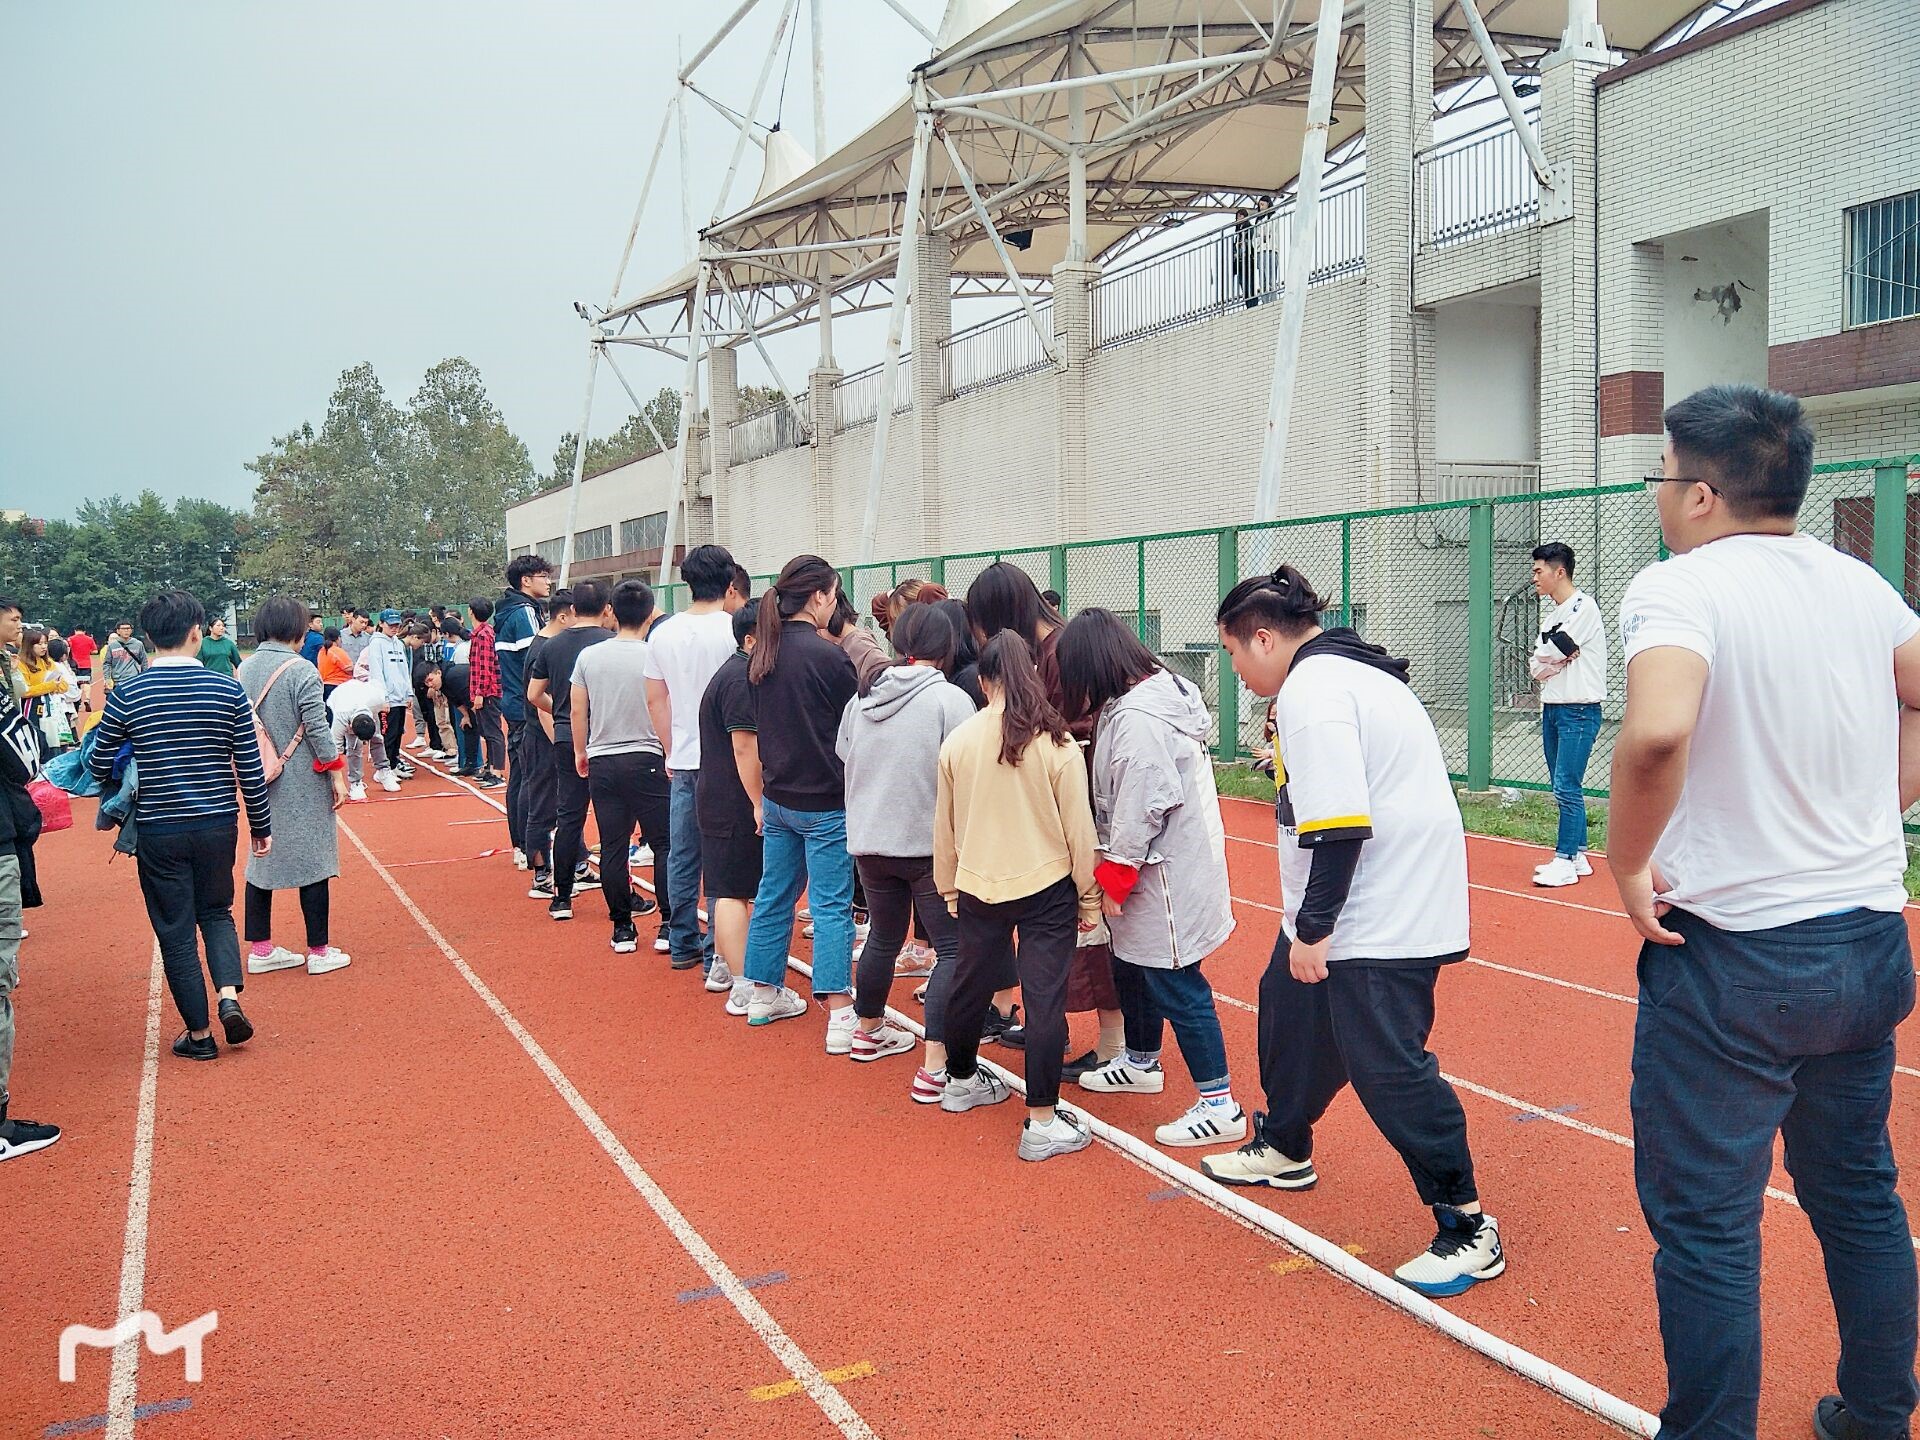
<point>1568,732</point>
<point>685,934</point>
<point>1150,997</point>
<point>1739,1037</point>
<point>804,849</point>
<point>466,741</point>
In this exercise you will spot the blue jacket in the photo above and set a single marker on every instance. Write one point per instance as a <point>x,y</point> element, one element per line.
<point>515,620</point>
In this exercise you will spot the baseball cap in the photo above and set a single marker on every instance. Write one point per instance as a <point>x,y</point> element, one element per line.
<point>390,617</point>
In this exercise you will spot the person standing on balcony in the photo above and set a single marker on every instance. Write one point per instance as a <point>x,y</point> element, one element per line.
<point>1570,662</point>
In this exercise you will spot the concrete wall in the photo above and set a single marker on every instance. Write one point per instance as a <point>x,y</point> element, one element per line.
<point>1487,381</point>
<point>624,493</point>
<point>1716,306</point>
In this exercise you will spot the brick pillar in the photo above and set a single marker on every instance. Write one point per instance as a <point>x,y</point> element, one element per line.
<point>1569,357</point>
<point>823,413</point>
<point>931,318</point>
<point>1633,360</point>
<point>723,408</point>
<point>1073,339</point>
<point>1399,341</point>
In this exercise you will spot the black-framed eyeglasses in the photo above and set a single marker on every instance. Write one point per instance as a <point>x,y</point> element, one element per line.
<point>1654,482</point>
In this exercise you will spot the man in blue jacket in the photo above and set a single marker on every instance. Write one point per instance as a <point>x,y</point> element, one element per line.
<point>515,619</point>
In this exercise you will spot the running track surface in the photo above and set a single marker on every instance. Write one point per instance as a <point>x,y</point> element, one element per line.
<point>495,1180</point>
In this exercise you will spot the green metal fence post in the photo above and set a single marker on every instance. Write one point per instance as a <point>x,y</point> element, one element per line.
<point>1140,590</point>
<point>937,571</point>
<point>1480,649</point>
<point>1057,571</point>
<point>1890,524</point>
<point>1228,568</point>
<point>1346,572</point>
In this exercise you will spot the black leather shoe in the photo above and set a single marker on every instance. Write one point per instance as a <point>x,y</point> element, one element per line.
<point>188,1048</point>
<point>239,1028</point>
<point>1831,1421</point>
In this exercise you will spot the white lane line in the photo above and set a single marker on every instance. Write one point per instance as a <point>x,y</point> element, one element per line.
<point>125,1382</point>
<point>831,1402</point>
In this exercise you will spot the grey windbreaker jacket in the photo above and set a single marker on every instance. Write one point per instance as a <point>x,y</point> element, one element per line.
<point>1155,807</point>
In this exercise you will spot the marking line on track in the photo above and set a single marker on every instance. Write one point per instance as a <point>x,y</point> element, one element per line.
<point>805,1373</point>
<point>125,1381</point>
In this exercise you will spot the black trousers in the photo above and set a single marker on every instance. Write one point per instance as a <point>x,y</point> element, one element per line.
<point>628,791</point>
<point>986,961</point>
<point>897,890</point>
<point>517,783</point>
<point>315,905</point>
<point>187,882</point>
<point>537,838</point>
<point>393,732</point>
<point>569,813</point>
<point>1366,1025</point>
<point>492,737</point>
<point>428,720</point>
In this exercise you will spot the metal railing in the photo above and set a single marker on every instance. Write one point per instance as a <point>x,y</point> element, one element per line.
<point>1239,267</point>
<point>1476,184</point>
<point>860,393</point>
<point>766,432</point>
<point>999,349</point>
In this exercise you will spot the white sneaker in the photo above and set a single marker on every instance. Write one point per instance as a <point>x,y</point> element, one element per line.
<point>519,859</point>
<point>740,996</point>
<point>1205,1124</point>
<point>769,1004</point>
<point>1556,873</point>
<point>325,962</point>
<point>386,780</point>
<point>1580,865</point>
<point>982,1087</point>
<point>1117,1074</point>
<point>1459,1257</point>
<point>719,977</point>
<point>1062,1135</point>
<point>356,791</point>
<point>841,1024</point>
<point>640,855</point>
<point>662,945</point>
<point>1258,1163</point>
<point>889,1039</point>
<point>281,958</point>
<point>417,743</point>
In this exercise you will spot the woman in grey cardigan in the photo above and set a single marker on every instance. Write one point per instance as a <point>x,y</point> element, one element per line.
<point>311,786</point>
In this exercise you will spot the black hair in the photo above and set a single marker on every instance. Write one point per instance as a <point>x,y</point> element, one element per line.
<point>803,577</point>
<point>1027,713</point>
<point>923,633</point>
<point>1757,445</point>
<point>331,635</point>
<point>708,571</point>
<point>1052,597</point>
<point>450,625</point>
<point>56,648</point>
<point>170,616</point>
<point>363,726</point>
<point>1555,553</point>
<point>116,624</point>
<point>1004,597</point>
<point>1101,659</point>
<point>1282,602</point>
<point>965,652</point>
<point>742,582</point>
<point>561,599</point>
<point>843,615</point>
<point>12,607</point>
<point>312,616</point>
<point>482,609</point>
<point>632,603</point>
<point>589,598</point>
<point>744,619</point>
<point>521,566</point>
<point>282,618</point>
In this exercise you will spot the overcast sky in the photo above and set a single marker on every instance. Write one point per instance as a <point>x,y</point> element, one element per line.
<point>215,208</point>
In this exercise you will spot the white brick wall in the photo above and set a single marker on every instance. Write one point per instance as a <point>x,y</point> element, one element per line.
<point>1869,432</point>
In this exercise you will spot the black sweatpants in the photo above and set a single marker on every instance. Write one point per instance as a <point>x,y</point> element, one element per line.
<point>1365,1024</point>
<point>315,905</point>
<point>628,791</point>
<point>898,889</point>
<point>187,882</point>
<point>1048,923</point>
<point>537,839</point>
<point>493,737</point>
<point>394,732</point>
<point>517,781</point>
<point>569,813</point>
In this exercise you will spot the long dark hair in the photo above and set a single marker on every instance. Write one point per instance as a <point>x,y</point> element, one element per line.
<point>1004,597</point>
<point>921,633</point>
<point>1100,660</point>
<point>1008,664</point>
<point>965,652</point>
<point>1282,602</point>
<point>804,577</point>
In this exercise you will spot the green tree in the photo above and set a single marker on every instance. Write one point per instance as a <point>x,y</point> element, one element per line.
<point>464,468</point>
<point>632,441</point>
<point>102,566</point>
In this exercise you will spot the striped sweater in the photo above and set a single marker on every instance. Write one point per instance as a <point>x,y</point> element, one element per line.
<point>192,734</point>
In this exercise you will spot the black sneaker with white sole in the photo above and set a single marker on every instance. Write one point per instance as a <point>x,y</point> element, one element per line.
<point>560,908</point>
<point>542,886</point>
<point>626,939</point>
<point>23,1137</point>
<point>998,1024</point>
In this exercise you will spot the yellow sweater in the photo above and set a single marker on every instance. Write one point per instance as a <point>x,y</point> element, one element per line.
<point>1006,832</point>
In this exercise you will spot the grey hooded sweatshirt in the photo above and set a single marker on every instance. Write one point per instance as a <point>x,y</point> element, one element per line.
<point>890,743</point>
<point>1156,809</point>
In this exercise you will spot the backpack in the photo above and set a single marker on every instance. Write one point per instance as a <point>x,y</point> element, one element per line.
<point>272,762</point>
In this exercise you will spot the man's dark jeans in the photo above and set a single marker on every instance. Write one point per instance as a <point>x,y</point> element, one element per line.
<point>628,792</point>
<point>1741,1037</point>
<point>187,882</point>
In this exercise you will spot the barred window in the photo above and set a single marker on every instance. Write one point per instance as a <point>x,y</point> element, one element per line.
<point>649,532</point>
<point>1883,260</point>
<point>550,550</point>
<point>595,544</point>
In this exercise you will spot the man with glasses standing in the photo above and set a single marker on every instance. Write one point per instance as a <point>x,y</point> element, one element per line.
<point>1570,662</point>
<point>1769,747</point>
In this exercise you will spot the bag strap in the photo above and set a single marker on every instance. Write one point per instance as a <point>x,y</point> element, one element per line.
<point>274,679</point>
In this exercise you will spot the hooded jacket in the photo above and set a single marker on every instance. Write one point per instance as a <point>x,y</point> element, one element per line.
<point>515,619</point>
<point>890,742</point>
<point>1156,810</point>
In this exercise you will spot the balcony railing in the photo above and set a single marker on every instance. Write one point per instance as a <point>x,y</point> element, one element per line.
<point>995,350</point>
<point>766,433</point>
<point>860,393</point>
<point>1476,184</point>
<point>1240,267</point>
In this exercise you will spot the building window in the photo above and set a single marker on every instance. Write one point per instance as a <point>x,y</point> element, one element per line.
<point>595,544</point>
<point>550,550</point>
<point>1883,260</point>
<point>649,532</point>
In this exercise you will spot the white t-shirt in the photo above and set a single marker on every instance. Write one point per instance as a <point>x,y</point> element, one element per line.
<point>685,651</point>
<point>351,698</point>
<point>1581,680</point>
<point>1791,805</point>
<point>1355,752</point>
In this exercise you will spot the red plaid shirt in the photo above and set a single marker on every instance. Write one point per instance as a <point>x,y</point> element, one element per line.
<point>483,664</point>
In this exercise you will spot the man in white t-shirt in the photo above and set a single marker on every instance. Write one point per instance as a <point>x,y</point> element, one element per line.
<point>1759,778</point>
<point>1570,662</point>
<point>1373,866</point>
<point>355,709</point>
<point>683,652</point>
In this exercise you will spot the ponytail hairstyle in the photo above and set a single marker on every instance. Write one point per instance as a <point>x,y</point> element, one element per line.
<point>1007,663</point>
<point>911,591</point>
<point>923,633</point>
<point>1282,602</point>
<point>804,577</point>
<point>1101,659</point>
<point>1004,597</point>
<point>965,652</point>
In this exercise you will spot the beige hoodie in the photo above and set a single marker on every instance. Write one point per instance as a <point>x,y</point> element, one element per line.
<point>1006,832</point>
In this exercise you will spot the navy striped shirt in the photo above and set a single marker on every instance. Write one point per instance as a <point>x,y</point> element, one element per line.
<point>192,734</point>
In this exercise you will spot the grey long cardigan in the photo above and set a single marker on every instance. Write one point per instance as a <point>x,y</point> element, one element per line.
<point>306,843</point>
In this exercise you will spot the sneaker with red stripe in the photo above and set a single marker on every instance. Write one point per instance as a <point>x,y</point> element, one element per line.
<point>929,1086</point>
<point>889,1039</point>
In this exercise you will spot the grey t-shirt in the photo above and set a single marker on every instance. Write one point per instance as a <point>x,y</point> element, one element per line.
<point>614,676</point>
<point>125,659</point>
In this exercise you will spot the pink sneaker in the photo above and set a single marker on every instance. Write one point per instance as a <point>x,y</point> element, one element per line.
<point>928,1086</point>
